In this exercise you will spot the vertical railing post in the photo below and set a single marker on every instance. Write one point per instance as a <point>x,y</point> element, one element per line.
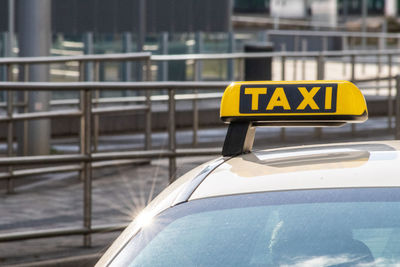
<point>172,135</point>
<point>241,69</point>
<point>231,49</point>
<point>86,149</point>
<point>295,49</point>
<point>390,98</point>
<point>198,73</point>
<point>353,77</point>
<point>163,65</point>
<point>345,47</point>
<point>320,76</point>
<point>199,40</point>
<point>324,46</point>
<point>25,109</point>
<point>283,61</point>
<point>378,72</point>
<point>320,67</point>
<point>148,109</point>
<point>126,65</point>
<point>96,118</point>
<point>10,130</point>
<point>195,105</point>
<point>397,111</point>
<point>82,118</point>
<point>303,64</point>
<point>88,49</point>
<point>87,172</point>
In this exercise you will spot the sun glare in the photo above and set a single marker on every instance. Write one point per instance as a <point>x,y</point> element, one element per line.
<point>144,219</point>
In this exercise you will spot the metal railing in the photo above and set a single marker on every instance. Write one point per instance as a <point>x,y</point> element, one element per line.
<point>348,38</point>
<point>86,156</point>
<point>89,158</point>
<point>320,59</point>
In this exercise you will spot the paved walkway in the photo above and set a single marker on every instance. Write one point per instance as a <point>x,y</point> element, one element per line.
<point>118,194</point>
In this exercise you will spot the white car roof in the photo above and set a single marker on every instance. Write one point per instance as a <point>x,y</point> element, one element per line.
<point>343,165</point>
<point>346,165</point>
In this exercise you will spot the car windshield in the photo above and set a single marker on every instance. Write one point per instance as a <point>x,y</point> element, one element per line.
<point>330,227</point>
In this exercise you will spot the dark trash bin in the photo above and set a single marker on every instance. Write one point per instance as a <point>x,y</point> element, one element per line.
<point>258,69</point>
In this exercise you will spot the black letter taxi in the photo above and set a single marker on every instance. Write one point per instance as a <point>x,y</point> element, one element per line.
<point>318,205</point>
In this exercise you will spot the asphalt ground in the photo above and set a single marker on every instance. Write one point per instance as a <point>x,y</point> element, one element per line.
<point>120,192</point>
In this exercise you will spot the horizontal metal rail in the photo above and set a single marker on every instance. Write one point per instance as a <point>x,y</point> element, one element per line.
<point>367,80</point>
<point>122,109</point>
<point>66,231</point>
<point>41,115</point>
<point>67,168</point>
<point>240,21</point>
<point>128,99</point>
<point>287,54</point>
<point>37,171</point>
<point>334,33</point>
<point>82,58</point>
<point>75,158</point>
<point>75,86</point>
<point>212,56</point>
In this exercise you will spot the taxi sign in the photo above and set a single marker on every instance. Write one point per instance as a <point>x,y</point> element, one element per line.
<point>294,103</point>
<point>281,103</point>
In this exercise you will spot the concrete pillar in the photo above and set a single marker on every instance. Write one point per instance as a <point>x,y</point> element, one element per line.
<point>34,35</point>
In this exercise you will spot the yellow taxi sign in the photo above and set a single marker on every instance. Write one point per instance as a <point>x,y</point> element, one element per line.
<point>293,103</point>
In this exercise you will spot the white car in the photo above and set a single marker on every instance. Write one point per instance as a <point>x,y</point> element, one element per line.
<point>320,205</point>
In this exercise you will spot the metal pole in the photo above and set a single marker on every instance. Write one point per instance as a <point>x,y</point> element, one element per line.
<point>199,49</point>
<point>96,118</point>
<point>34,32</point>
<point>141,35</point>
<point>320,76</point>
<point>195,107</point>
<point>26,110</point>
<point>198,69</point>
<point>324,43</point>
<point>84,136</point>
<point>397,112</point>
<point>295,49</point>
<point>353,67</point>
<point>303,63</point>
<point>126,65</point>
<point>353,77</point>
<point>320,67</point>
<point>11,27</point>
<point>283,60</point>
<point>231,49</point>
<point>89,74</point>
<point>148,111</point>
<point>88,49</point>
<point>86,108</point>
<point>163,74</point>
<point>241,69</point>
<point>378,72</point>
<point>382,39</point>
<point>10,131</point>
<point>390,98</point>
<point>3,68</point>
<point>21,127</point>
<point>364,12</point>
<point>344,47</point>
<point>172,134</point>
